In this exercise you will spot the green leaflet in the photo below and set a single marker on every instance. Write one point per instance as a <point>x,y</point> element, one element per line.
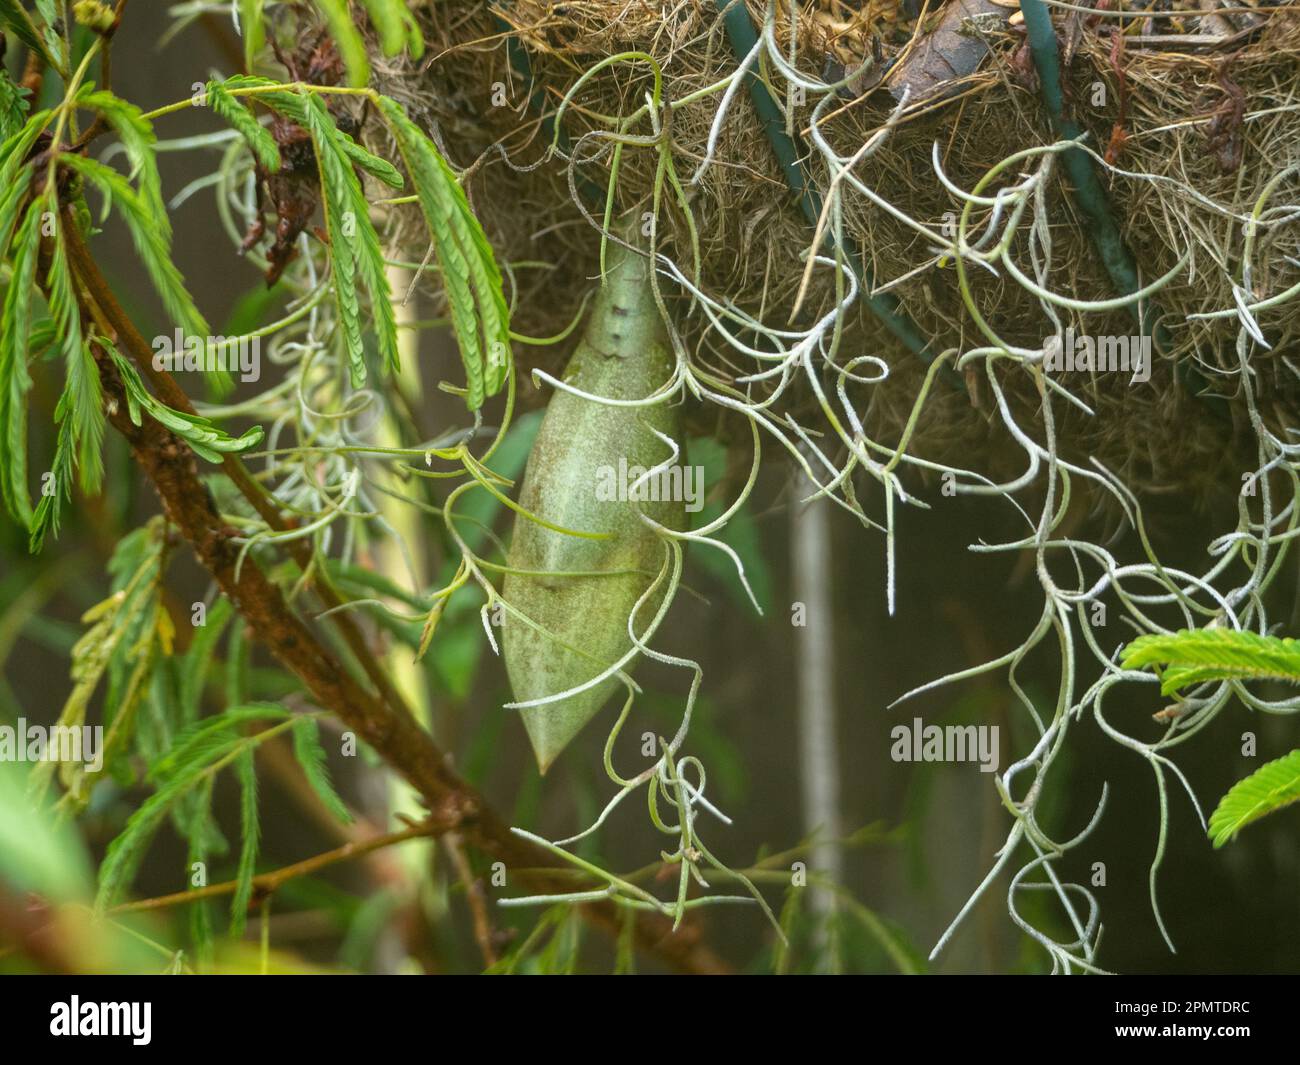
<point>152,241</point>
<point>479,314</point>
<point>346,35</point>
<point>354,245</point>
<point>128,631</point>
<point>90,656</point>
<point>13,106</point>
<point>250,833</point>
<point>252,26</point>
<point>202,435</point>
<point>11,197</point>
<point>396,25</point>
<point>235,682</point>
<point>371,164</point>
<point>311,757</point>
<point>80,411</point>
<point>135,569</point>
<point>242,120</point>
<point>1269,788</point>
<point>1195,656</point>
<point>17,19</point>
<point>14,378</point>
<point>198,840</point>
<point>198,658</point>
<point>15,148</point>
<point>52,13</point>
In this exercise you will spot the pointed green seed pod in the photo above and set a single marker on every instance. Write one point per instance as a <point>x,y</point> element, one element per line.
<point>585,453</point>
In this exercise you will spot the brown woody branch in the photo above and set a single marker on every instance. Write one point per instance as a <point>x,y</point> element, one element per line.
<point>382,721</point>
<point>266,884</point>
<point>164,385</point>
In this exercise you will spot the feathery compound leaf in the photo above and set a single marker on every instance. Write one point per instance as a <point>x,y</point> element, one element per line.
<point>1269,788</point>
<point>346,35</point>
<point>339,217</point>
<point>81,406</point>
<point>152,241</point>
<point>16,174</point>
<point>249,827</point>
<point>194,744</point>
<point>242,120</point>
<point>354,244</point>
<point>480,316</point>
<point>206,439</point>
<point>197,754</point>
<point>127,850</point>
<point>79,412</point>
<point>14,379</point>
<point>137,137</point>
<point>1198,655</point>
<point>311,756</point>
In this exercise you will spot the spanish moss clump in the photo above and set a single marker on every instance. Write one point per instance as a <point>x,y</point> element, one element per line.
<point>1191,126</point>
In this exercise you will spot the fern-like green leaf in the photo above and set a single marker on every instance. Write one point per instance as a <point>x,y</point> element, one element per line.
<point>355,249</point>
<point>202,435</point>
<point>1194,656</point>
<point>138,140</point>
<point>14,378</point>
<point>348,38</point>
<point>199,752</point>
<point>1269,788</point>
<point>479,314</point>
<point>311,756</point>
<point>241,119</point>
<point>16,175</point>
<point>196,742</point>
<point>79,412</point>
<point>152,241</point>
